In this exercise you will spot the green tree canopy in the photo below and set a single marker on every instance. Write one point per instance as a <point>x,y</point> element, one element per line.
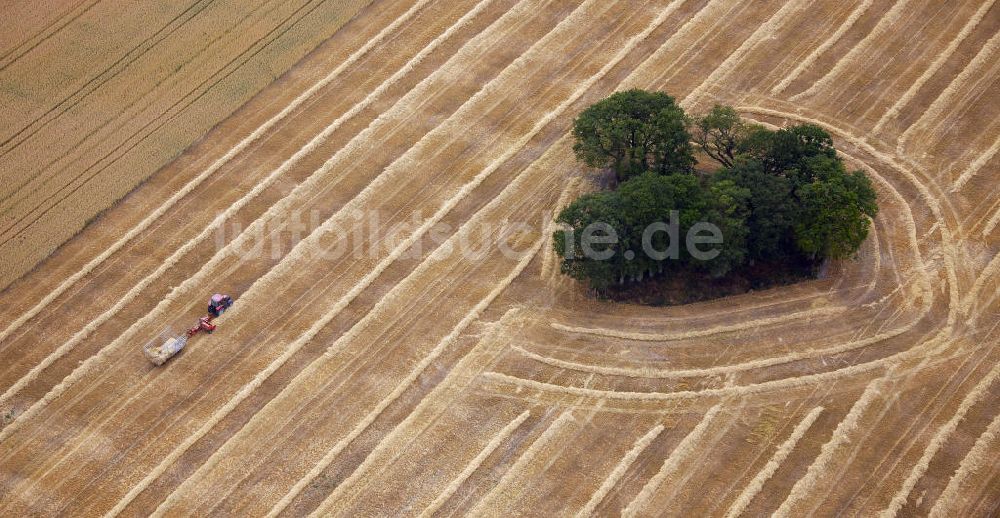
<point>771,210</point>
<point>782,150</point>
<point>835,210</point>
<point>720,134</point>
<point>728,210</point>
<point>596,211</point>
<point>633,132</point>
<point>649,198</point>
<point>780,196</point>
<point>678,200</point>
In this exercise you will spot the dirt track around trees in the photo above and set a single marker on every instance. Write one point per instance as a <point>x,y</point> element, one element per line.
<point>402,382</point>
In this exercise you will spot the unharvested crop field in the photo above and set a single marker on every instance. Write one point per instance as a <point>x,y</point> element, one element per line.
<point>97,95</point>
<point>409,380</point>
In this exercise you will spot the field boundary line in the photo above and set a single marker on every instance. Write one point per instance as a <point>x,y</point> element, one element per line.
<point>765,304</point>
<point>935,111</point>
<point>679,454</point>
<point>877,256</point>
<point>936,65</point>
<point>973,462</point>
<point>911,227</point>
<point>885,24</point>
<point>536,447</point>
<point>839,438</point>
<point>943,434</point>
<point>925,349</point>
<point>754,487</point>
<point>194,183</point>
<point>619,471</point>
<point>845,26</point>
<point>473,465</point>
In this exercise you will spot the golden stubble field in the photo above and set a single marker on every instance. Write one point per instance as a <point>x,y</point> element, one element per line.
<point>398,382</point>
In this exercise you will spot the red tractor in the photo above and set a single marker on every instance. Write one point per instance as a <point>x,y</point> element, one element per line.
<point>218,304</point>
<point>159,354</point>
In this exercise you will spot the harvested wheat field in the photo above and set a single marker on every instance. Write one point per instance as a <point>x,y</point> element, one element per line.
<point>412,380</point>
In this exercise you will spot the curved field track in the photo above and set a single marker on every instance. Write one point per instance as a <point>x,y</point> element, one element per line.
<point>439,364</point>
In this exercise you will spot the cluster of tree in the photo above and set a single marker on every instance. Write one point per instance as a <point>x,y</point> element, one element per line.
<point>779,195</point>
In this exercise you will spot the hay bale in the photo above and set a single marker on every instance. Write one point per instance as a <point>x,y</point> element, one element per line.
<point>160,354</point>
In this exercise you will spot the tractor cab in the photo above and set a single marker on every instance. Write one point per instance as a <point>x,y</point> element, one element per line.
<point>218,304</point>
